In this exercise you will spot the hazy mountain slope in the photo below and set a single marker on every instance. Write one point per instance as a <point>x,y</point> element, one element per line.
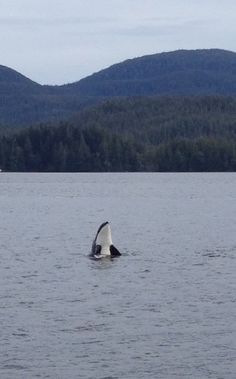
<point>11,80</point>
<point>183,72</point>
<point>24,102</point>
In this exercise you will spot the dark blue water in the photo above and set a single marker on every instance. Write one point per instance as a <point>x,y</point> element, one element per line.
<point>165,309</point>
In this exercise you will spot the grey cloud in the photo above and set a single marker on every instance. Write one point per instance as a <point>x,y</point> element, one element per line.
<point>163,28</point>
<point>18,22</point>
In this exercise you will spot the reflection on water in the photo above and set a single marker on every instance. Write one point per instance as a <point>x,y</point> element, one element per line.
<point>102,264</point>
<point>164,309</point>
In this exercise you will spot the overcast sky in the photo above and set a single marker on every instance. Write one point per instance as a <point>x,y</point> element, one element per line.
<point>61,41</point>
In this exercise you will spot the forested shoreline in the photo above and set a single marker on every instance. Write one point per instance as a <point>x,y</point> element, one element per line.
<point>166,134</point>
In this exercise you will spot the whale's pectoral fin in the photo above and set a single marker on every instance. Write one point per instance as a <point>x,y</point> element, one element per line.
<point>114,252</point>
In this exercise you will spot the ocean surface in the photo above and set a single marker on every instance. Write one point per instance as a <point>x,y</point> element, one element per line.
<point>166,309</point>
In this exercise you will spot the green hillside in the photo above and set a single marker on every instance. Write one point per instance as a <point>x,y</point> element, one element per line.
<point>131,134</point>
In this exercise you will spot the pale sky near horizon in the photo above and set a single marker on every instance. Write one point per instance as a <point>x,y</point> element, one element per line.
<point>61,41</point>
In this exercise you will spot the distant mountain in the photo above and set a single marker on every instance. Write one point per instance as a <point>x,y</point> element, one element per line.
<point>183,72</point>
<point>24,102</point>
<point>11,81</point>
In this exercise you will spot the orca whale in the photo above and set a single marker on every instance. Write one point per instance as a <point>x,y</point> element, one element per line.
<point>102,245</point>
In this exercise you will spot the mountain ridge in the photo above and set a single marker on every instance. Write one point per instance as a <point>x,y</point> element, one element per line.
<point>177,73</point>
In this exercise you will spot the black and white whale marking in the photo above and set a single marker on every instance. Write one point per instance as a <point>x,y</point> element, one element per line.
<point>102,245</point>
